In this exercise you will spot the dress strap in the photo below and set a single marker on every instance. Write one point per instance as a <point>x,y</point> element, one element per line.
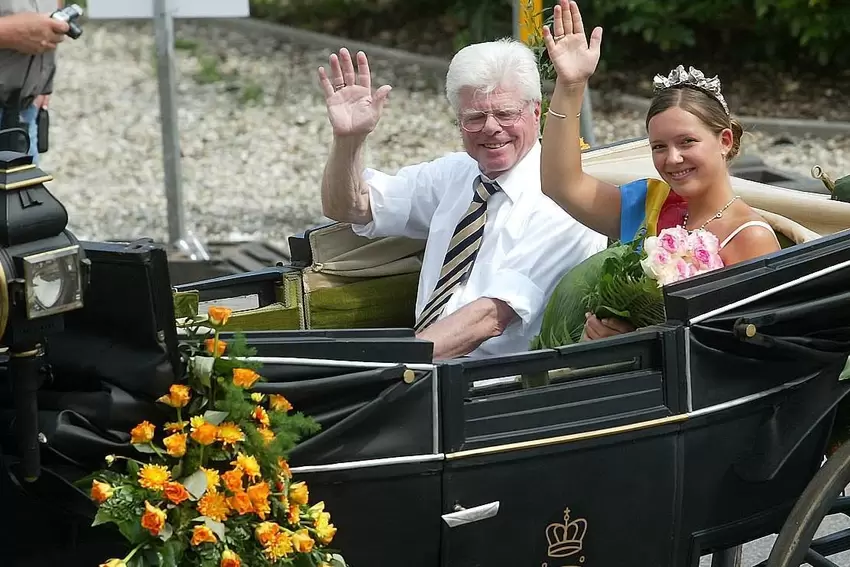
<point>747,225</point>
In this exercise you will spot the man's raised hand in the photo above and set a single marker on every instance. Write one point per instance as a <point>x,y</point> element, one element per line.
<point>573,57</point>
<point>353,109</point>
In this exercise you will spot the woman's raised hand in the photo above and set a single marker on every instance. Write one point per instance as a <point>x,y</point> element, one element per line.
<point>353,109</point>
<point>573,58</point>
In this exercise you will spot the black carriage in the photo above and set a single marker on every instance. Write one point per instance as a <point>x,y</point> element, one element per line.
<point>650,449</point>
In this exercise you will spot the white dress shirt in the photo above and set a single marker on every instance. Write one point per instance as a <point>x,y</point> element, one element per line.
<point>529,241</point>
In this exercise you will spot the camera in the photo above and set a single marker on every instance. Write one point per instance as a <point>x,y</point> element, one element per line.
<point>70,14</point>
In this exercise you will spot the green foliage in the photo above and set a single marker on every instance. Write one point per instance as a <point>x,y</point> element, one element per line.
<point>790,31</point>
<point>623,290</point>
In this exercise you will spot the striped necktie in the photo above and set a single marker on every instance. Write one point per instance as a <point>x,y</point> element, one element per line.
<point>463,248</point>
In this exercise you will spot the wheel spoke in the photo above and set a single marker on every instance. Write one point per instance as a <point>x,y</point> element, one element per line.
<point>815,559</point>
<point>832,544</point>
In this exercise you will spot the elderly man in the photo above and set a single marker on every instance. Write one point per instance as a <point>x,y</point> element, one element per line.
<point>496,246</point>
<point>28,40</point>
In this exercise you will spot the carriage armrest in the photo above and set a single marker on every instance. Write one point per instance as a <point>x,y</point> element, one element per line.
<point>793,420</point>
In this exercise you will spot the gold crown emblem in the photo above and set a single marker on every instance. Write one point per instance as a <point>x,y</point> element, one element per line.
<point>566,539</point>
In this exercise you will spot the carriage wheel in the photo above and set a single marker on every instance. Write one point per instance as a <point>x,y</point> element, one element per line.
<point>793,545</point>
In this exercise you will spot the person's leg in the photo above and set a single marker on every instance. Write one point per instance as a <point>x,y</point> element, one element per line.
<point>28,117</point>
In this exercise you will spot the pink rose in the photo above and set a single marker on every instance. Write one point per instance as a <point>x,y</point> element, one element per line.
<point>671,242</point>
<point>683,269</point>
<point>702,256</point>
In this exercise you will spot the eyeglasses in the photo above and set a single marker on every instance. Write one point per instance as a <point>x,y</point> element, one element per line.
<point>475,121</point>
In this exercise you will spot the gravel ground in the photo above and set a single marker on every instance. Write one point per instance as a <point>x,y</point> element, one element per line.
<point>254,133</point>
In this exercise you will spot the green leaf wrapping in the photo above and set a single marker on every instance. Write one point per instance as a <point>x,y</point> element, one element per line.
<point>611,283</point>
<point>563,318</point>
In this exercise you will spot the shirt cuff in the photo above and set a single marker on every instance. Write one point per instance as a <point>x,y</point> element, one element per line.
<point>518,291</point>
<point>390,213</point>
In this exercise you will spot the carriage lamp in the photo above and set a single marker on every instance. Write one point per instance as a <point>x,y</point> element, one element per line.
<point>43,271</point>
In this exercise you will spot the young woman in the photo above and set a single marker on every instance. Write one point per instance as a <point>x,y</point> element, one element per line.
<point>692,137</point>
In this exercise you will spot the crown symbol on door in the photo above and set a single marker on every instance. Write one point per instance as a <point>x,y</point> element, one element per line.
<point>566,539</point>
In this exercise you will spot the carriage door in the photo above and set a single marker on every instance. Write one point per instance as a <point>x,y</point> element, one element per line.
<point>579,472</point>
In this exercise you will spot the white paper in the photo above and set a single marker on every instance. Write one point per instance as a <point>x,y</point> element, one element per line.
<point>131,9</point>
<point>471,515</point>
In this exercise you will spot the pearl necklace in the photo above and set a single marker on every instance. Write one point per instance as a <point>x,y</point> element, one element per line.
<point>717,215</point>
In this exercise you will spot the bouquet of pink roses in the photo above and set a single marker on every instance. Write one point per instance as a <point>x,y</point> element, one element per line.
<point>625,281</point>
<point>676,254</point>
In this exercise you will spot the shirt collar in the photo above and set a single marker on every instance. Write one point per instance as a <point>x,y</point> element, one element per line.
<point>525,174</point>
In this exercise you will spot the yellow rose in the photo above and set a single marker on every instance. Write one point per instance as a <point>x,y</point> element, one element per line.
<point>302,541</point>
<point>153,519</point>
<point>142,433</point>
<point>244,377</point>
<point>298,493</point>
<point>100,491</point>
<point>219,316</point>
<point>114,563</point>
<point>175,444</point>
<point>230,559</point>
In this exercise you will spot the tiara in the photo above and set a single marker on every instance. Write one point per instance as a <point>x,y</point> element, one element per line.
<point>695,78</point>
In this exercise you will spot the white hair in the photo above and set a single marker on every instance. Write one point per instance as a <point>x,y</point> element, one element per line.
<point>505,63</point>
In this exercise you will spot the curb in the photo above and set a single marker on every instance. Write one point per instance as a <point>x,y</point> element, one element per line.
<point>438,67</point>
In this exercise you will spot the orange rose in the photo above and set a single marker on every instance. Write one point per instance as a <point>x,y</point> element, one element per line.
<point>294,515</point>
<point>244,377</point>
<point>203,432</point>
<point>176,492</point>
<point>240,503</point>
<point>100,491</point>
<point>153,519</point>
<point>302,541</point>
<point>142,433</point>
<point>219,316</point>
<point>202,534</point>
<point>178,396</point>
<point>298,493</point>
<point>233,480</point>
<point>230,559</point>
<point>175,444</point>
<point>219,347</point>
<point>259,495</point>
<point>266,532</point>
<point>279,403</point>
